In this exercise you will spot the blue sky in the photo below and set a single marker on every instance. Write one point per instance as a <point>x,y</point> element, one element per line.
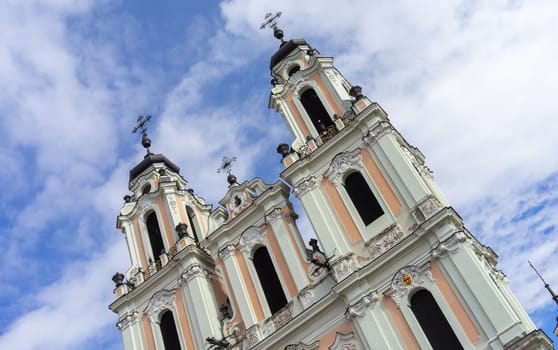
<point>471,84</point>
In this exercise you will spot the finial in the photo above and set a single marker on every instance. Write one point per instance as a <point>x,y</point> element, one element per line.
<point>226,167</point>
<point>546,285</point>
<point>145,141</point>
<point>270,20</point>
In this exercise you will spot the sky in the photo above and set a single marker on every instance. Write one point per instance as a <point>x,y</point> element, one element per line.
<point>471,83</point>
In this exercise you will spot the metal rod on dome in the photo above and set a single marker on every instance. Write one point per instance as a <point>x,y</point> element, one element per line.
<point>226,167</point>
<point>270,20</point>
<point>145,141</point>
<point>546,285</point>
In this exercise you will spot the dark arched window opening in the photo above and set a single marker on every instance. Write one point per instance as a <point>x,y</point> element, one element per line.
<point>362,197</point>
<point>269,280</point>
<point>315,110</point>
<point>155,238</point>
<point>433,322</point>
<point>293,70</point>
<point>193,223</point>
<point>168,331</point>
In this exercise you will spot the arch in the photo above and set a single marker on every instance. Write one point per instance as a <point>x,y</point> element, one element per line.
<point>315,110</point>
<point>193,223</point>
<point>169,332</point>
<point>362,197</point>
<point>155,237</point>
<point>433,322</point>
<point>269,280</point>
<point>293,69</point>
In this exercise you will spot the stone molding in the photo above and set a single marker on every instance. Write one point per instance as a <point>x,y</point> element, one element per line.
<point>376,132</point>
<point>278,319</point>
<point>273,215</point>
<point>253,335</point>
<point>226,252</point>
<point>359,308</point>
<point>342,163</point>
<point>426,208</point>
<point>162,300</point>
<point>385,240</point>
<point>306,298</point>
<point>401,285</point>
<point>301,346</point>
<point>450,245</point>
<point>344,266</point>
<point>344,342</point>
<point>192,272</point>
<point>306,185</point>
<point>250,238</point>
<point>127,320</point>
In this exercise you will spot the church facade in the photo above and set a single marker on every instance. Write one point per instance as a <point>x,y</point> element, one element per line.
<point>392,265</point>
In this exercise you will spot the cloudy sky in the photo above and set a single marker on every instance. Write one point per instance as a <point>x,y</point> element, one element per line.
<point>473,84</point>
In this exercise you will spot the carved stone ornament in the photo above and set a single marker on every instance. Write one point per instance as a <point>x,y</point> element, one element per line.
<point>385,240</point>
<point>162,300</point>
<point>359,308</point>
<point>450,245</point>
<point>426,209</point>
<point>279,319</point>
<point>127,320</point>
<point>273,215</point>
<point>376,132</point>
<point>301,346</point>
<point>296,78</point>
<point>192,272</point>
<point>344,267</point>
<point>407,279</point>
<point>253,335</point>
<point>306,298</point>
<point>342,163</point>
<point>226,252</point>
<point>344,342</point>
<point>249,239</point>
<point>307,185</point>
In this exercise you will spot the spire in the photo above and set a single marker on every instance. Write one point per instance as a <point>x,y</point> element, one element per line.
<point>270,20</point>
<point>546,285</point>
<point>145,141</point>
<point>226,167</point>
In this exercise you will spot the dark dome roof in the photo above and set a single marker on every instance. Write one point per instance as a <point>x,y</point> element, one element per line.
<point>149,160</point>
<point>285,49</point>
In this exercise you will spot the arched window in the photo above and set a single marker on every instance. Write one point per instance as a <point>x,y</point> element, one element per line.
<point>315,110</point>
<point>155,238</point>
<point>269,280</point>
<point>193,223</point>
<point>433,322</point>
<point>168,331</point>
<point>362,197</point>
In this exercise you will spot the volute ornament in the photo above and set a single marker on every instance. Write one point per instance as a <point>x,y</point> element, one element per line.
<point>162,300</point>
<point>342,163</point>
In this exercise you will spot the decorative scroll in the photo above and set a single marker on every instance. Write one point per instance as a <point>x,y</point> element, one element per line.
<point>273,215</point>
<point>162,300</point>
<point>192,272</point>
<point>344,342</point>
<point>385,240</point>
<point>341,163</point>
<point>249,239</point>
<point>279,319</point>
<point>450,245</point>
<point>307,185</point>
<point>226,252</point>
<point>407,279</point>
<point>359,308</point>
<point>426,209</point>
<point>376,132</point>
<point>127,320</point>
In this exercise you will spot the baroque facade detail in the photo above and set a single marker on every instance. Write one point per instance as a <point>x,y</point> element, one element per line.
<point>307,185</point>
<point>127,320</point>
<point>426,208</point>
<point>192,272</point>
<point>226,252</point>
<point>342,163</point>
<point>407,279</point>
<point>385,240</point>
<point>359,308</point>
<point>450,245</point>
<point>344,342</point>
<point>162,300</point>
<point>273,215</point>
<point>376,132</point>
<point>249,239</point>
<point>302,346</point>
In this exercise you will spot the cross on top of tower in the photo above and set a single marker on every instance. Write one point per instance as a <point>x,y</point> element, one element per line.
<point>145,141</point>
<point>226,167</point>
<point>270,20</point>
